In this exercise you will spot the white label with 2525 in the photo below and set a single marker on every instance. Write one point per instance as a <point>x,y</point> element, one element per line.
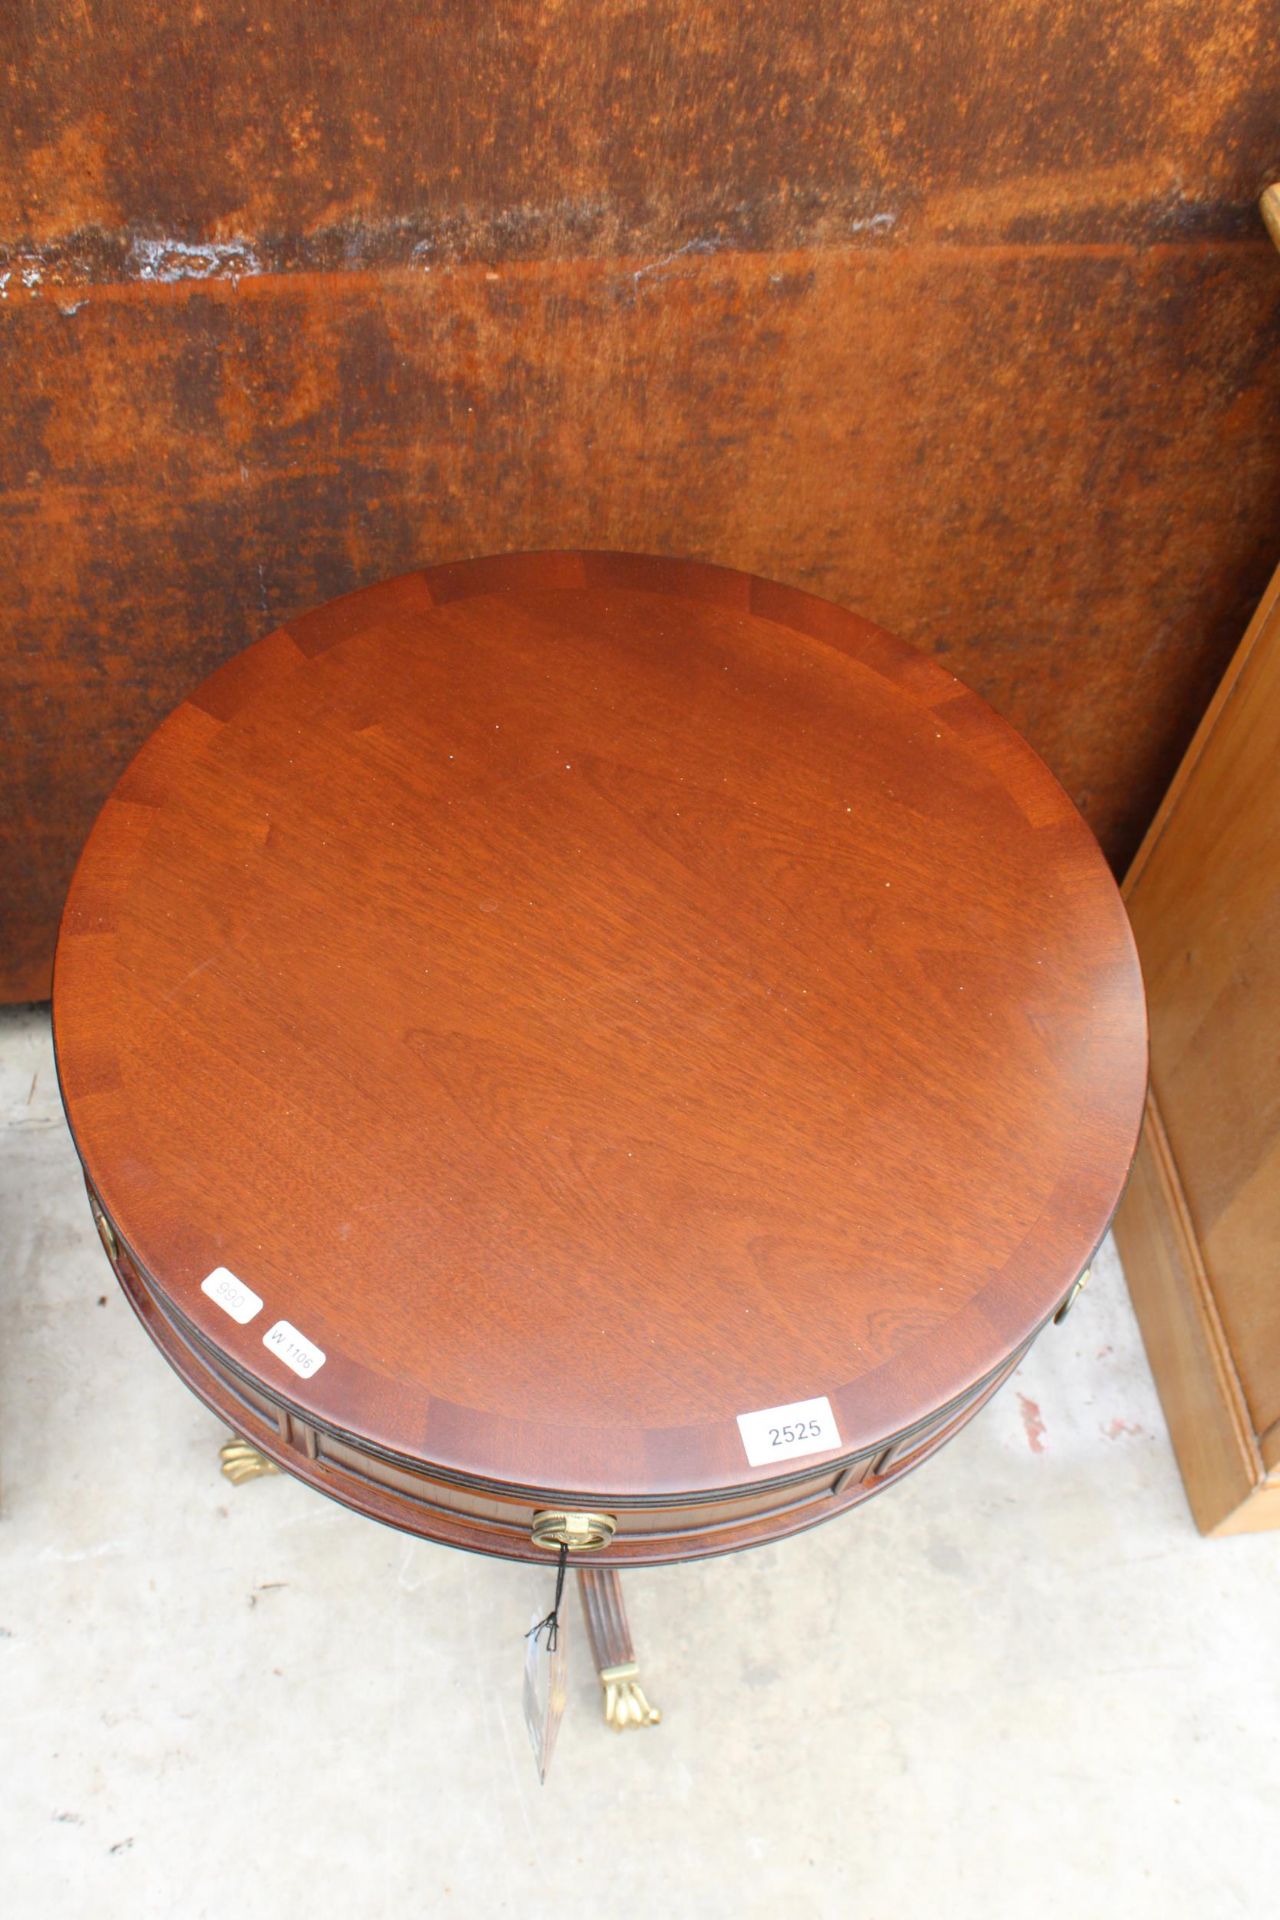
<point>783,1433</point>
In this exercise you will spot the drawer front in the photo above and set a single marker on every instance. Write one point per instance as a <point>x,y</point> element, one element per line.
<point>412,1498</point>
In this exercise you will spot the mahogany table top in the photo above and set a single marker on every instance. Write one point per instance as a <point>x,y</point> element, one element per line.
<point>591,997</point>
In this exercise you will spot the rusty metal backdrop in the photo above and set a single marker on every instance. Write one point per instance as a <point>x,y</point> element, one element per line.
<point>961,315</point>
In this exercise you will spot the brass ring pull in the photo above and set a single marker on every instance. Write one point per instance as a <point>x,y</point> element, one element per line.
<point>1071,1298</point>
<point>579,1532</point>
<point>106,1233</point>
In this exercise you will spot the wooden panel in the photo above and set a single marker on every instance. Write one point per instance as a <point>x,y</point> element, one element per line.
<point>966,323</point>
<point>1200,1225</point>
<point>1190,1358</point>
<point>1205,904</point>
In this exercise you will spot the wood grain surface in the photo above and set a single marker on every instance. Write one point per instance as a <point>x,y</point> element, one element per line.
<point>1200,1228</point>
<point>965,318</point>
<point>591,997</point>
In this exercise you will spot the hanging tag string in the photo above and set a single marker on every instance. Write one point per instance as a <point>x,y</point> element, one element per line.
<point>551,1621</point>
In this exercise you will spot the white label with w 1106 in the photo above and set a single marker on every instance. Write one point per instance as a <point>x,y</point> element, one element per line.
<point>293,1348</point>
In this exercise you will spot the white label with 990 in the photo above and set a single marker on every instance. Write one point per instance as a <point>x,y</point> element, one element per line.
<point>232,1295</point>
<point>293,1348</point>
<point>782,1433</point>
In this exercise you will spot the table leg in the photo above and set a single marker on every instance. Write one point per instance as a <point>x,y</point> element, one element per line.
<point>615,1657</point>
<point>241,1460</point>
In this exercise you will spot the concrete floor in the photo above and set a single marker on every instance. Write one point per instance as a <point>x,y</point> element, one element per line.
<point>1020,1683</point>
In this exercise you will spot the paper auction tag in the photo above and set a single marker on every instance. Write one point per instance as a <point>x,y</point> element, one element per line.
<point>231,1294</point>
<point>297,1352</point>
<point>782,1433</point>
<point>545,1689</point>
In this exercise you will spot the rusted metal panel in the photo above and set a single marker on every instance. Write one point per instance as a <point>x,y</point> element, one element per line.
<point>969,325</point>
<point>327,137</point>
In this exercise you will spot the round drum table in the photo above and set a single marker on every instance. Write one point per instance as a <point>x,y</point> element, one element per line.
<point>585,1050</point>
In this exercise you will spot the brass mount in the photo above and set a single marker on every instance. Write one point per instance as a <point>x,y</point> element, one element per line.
<point>1072,1297</point>
<point>579,1532</point>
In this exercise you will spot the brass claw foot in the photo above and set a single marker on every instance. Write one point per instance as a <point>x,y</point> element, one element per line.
<point>625,1704</point>
<point>241,1461</point>
<point>608,1630</point>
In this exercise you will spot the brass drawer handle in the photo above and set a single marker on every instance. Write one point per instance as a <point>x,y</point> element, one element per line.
<point>579,1532</point>
<point>1071,1298</point>
<point>106,1233</point>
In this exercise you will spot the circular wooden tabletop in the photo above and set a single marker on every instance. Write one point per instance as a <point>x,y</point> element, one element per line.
<point>589,998</point>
